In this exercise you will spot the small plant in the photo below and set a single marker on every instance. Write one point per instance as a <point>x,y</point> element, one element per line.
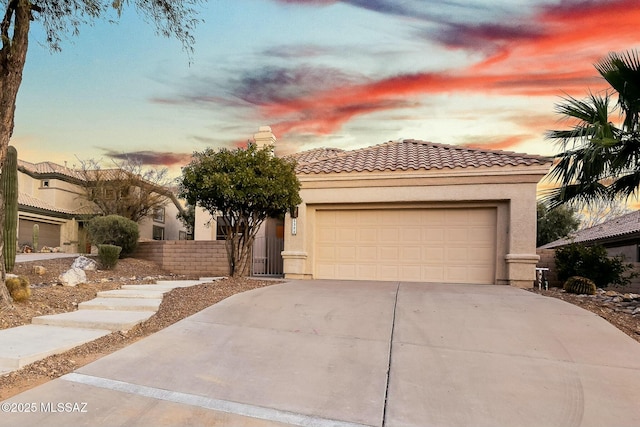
<point>108,255</point>
<point>114,230</point>
<point>580,285</point>
<point>18,288</point>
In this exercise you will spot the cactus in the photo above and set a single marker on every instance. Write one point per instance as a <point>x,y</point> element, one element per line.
<point>580,285</point>
<point>34,237</point>
<point>18,288</point>
<point>9,180</point>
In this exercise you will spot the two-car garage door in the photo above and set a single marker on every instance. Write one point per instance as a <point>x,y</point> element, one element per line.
<point>428,245</point>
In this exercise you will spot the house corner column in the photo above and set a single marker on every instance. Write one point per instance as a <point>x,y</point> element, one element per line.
<point>294,255</point>
<point>521,269</point>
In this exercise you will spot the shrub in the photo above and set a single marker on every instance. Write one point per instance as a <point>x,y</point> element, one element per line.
<point>593,263</point>
<point>114,230</point>
<point>18,288</point>
<point>579,285</point>
<point>108,255</point>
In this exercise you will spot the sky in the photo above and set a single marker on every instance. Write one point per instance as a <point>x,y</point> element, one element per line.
<point>321,73</point>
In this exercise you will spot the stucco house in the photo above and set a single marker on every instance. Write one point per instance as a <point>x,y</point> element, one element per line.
<point>412,210</point>
<point>52,196</point>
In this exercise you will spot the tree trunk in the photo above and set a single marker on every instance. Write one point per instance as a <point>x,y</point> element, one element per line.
<point>13,55</point>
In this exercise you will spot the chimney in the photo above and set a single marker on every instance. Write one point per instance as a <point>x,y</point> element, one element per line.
<point>265,138</point>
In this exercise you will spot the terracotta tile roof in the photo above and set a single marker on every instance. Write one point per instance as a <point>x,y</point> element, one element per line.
<point>617,227</point>
<point>30,201</point>
<point>43,168</point>
<point>410,154</point>
<point>315,154</point>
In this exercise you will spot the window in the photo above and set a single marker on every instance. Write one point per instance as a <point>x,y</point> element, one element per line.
<point>158,233</point>
<point>221,224</point>
<point>158,215</point>
<point>45,183</point>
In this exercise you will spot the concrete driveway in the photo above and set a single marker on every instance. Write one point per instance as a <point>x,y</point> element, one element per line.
<point>329,353</point>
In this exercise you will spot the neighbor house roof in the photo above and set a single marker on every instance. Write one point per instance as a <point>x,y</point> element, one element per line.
<point>615,228</point>
<point>409,154</point>
<point>26,200</point>
<point>48,168</point>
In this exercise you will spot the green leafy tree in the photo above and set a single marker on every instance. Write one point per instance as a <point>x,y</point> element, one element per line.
<point>599,159</point>
<point>188,218</point>
<point>244,187</point>
<point>171,18</point>
<point>554,224</point>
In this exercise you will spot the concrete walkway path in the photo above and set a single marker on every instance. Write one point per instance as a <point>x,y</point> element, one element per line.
<point>115,310</point>
<point>328,353</point>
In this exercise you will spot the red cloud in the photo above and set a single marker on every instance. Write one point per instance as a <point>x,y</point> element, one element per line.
<point>528,62</point>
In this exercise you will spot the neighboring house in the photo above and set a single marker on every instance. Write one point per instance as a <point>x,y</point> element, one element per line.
<point>51,196</point>
<point>412,211</point>
<point>620,236</point>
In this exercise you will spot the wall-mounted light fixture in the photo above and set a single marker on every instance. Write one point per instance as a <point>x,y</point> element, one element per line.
<point>294,220</point>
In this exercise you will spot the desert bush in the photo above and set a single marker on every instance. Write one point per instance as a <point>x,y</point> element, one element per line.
<point>18,288</point>
<point>579,285</point>
<point>108,255</point>
<point>114,230</point>
<point>593,263</point>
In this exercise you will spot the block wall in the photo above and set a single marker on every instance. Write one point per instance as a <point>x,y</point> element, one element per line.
<point>190,257</point>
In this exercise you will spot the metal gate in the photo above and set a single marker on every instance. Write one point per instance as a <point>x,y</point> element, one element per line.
<point>267,256</point>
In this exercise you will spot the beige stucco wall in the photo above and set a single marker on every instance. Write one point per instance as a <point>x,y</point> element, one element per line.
<point>511,190</point>
<point>205,226</point>
<point>172,226</point>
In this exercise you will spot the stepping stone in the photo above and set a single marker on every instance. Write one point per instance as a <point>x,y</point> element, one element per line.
<point>156,288</point>
<point>165,285</point>
<point>133,293</point>
<point>180,283</point>
<point>112,320</point>
<point>26,344</point>
<point>128,304</point>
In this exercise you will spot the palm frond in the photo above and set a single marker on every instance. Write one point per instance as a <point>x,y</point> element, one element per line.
<point>622,72</point>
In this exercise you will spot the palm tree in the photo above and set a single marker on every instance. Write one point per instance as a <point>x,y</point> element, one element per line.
<point>600,161</point>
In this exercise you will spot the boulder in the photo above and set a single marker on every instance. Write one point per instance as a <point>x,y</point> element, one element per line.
<point>39,270</point>
<point>73,277</point>
<point>84,263</point>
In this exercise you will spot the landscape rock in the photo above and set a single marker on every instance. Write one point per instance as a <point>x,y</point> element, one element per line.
<point>39,270</point>
<point>73,277</point>
<point>84,263</point>
<point>628,303</point>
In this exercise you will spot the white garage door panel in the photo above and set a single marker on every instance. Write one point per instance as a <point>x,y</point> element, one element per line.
<point>431,245</point>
